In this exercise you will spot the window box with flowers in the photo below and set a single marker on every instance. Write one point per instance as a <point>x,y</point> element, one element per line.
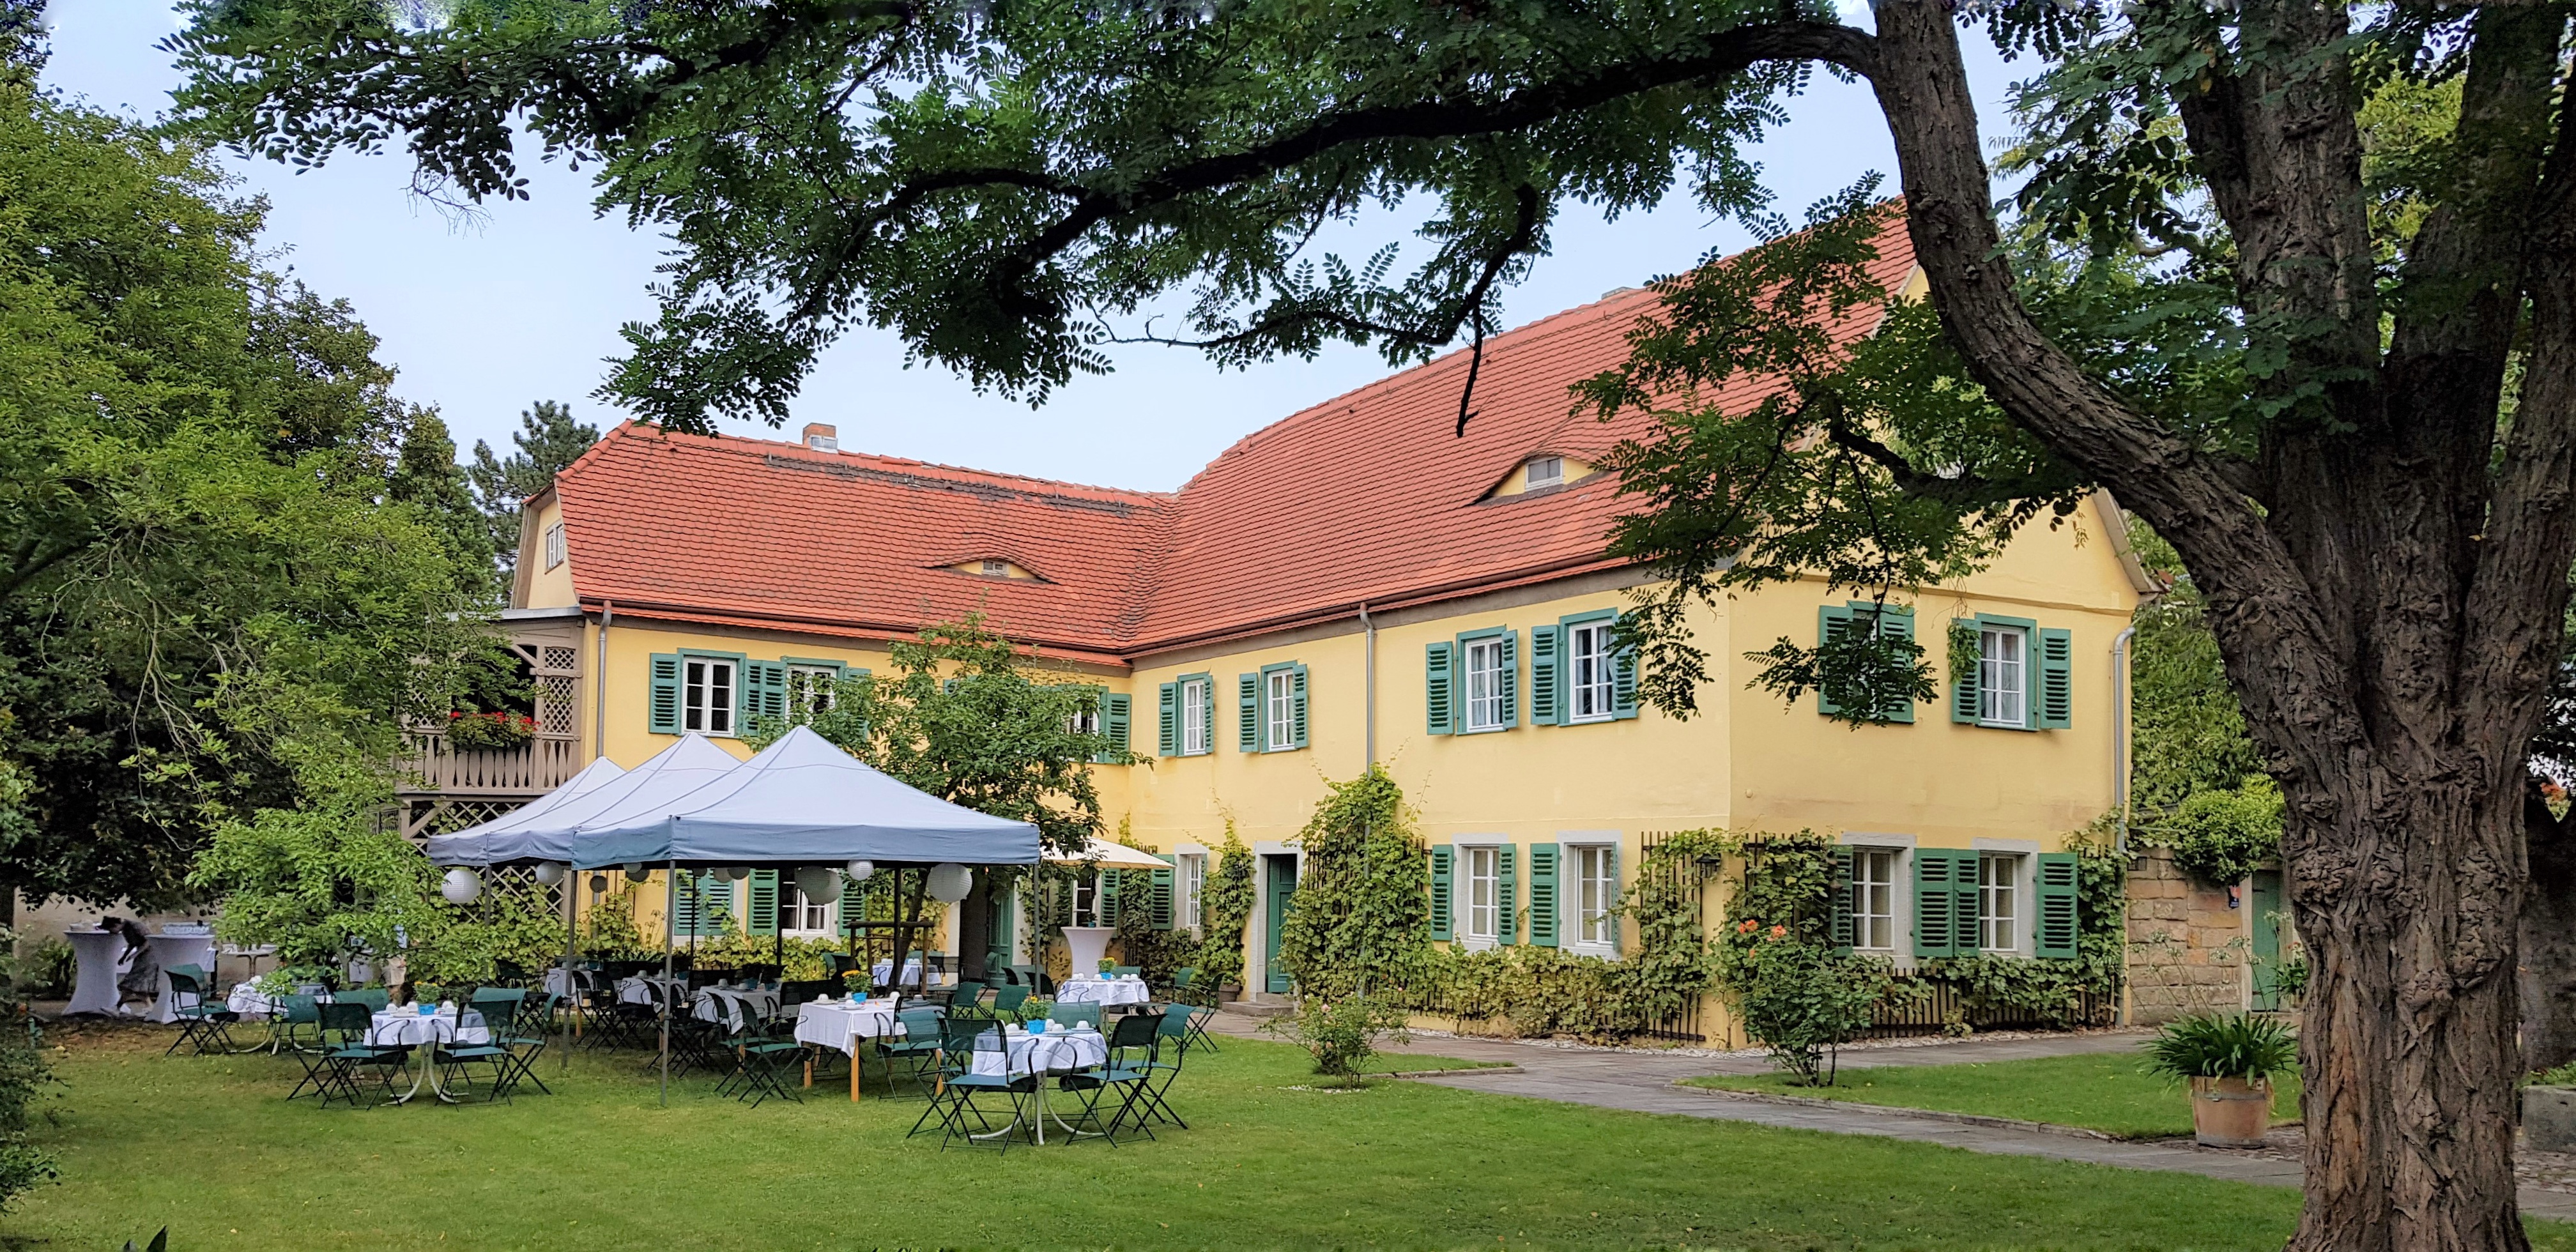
<point>489,732</point>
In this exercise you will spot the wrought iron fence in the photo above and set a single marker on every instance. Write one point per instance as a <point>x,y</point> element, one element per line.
<point>1693,879</point>
<point>1934,1013</point>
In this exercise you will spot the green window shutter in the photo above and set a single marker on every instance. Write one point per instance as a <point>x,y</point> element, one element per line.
<point>1507,897</point>
<point>1896,623</point>
<point>1623,682</point>
<point>1170,738</point>
<point>1207,711</point>
<point>1441,859</point>
<point>764,902</point>
<point>1842,898</point>
<point>2055,934</point>
<point>1936,925</point>
<point>1833,621</point>
<point>704,904</point>
<point>1511,679</point>
<point>767,692</point>
<point>1161,910</point>
<point>1963,687</point>
<point>2053,695</point>
<point>1546,701</point>
<point>1543,895</point>
<point>1436,704</point>
<point>1610,856</point>
<point>663,709</point>
<point>1297,696</point>
<point>1248,732</point>
<point>1106,905</point>
<point>1116,708</point>
<point>1963,889</point>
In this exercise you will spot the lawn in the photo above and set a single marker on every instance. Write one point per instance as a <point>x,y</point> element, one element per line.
<point>206,1146</point>
<point>2103,1091</point>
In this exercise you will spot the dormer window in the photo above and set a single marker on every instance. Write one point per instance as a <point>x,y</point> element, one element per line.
<point>994,567</point>
<point>1546,471</point>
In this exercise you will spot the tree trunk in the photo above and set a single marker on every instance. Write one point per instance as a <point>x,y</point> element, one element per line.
<point>975,928</point>
<point>2548,936</point>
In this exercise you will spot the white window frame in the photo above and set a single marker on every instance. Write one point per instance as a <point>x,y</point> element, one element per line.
<point>698,711</point>
<point>1573,912</point>
<point>1086,899</point>
<point>811,688</point>
<point>790,896</point>
<point>1189,890</point>
<point>1591,690</point>
<point>1472,857</point>
<point>1197,737</point>
<point>554,545</point>
<point>1866,859</point>
<point>1999,703</point>
<point>1279,709</point>
<point>1555,473</point>
<point>994,567</point>
<point>1485,706</point>
<point>1085,720</point>
<point>2001,931</point>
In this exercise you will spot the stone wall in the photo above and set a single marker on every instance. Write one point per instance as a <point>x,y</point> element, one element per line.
<point>2187,949</point>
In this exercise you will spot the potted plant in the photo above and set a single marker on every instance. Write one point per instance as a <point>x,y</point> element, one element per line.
<point>2229,1061</point>
<point>489,732</point>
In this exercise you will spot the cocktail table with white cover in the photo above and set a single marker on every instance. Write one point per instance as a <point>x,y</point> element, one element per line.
<point>410,1027</point>
<point>95,991</point>
<point>842,1025</point>
<point>172,948</point>
<point>1104,991</point>
<point>1040,1054</point>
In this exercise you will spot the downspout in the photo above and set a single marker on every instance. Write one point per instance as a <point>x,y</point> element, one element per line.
<point>1368,683</point>
<point>2120,770</point>
<point>599,695</point>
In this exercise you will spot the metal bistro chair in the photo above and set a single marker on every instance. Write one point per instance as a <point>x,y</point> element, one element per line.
<point>1172,1028</point>
<point>765,1053</point>
<point>919,1045</point>
<point>1130,1045</point>
<point>207,1025</point>
<point>952,1101</point>
<point>966,999</point>
<point>345,1052</point>
<point>1125,971</point>
<point>1063,1014</point>
<point>495,1054</point>
<point>1035,978</point>
<point>526,1040</point>
<point>1007,1001</point>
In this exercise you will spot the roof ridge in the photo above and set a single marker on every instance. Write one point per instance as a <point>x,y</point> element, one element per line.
<point>746,445</point>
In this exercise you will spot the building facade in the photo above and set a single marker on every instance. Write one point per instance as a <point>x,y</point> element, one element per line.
<point>1360,582</point>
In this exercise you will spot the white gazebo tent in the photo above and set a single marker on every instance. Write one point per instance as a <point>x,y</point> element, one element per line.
<point>801,801</point>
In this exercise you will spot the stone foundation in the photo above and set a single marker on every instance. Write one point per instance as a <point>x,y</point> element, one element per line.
<point>2187,950</point>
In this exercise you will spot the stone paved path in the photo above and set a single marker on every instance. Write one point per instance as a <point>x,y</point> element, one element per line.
<point>1643,1082</point>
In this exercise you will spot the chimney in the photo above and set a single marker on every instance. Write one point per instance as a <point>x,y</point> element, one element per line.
<point>821,438</point>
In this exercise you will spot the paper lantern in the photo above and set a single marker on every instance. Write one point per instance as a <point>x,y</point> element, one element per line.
<point>949,882</point>
<point>861,871</point>
<point>818,885</point>
<point>461,887</point>
<point>736,873</point>
<point>599,884</point>
<point>549,873</point>
<point>635,872</point>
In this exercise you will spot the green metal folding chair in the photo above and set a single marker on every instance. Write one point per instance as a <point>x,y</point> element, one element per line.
<point>347,1053</point>
<point>201,1022</point>
<point>1084,1014</point>
<point>919,1045</point>
<point>1122,1075</point>
<point>1007,1002</point>
<point>953,1099</point>
<point>494,1055</point>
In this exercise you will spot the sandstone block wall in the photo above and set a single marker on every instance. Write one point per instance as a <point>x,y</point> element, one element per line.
<point>2187,950</point>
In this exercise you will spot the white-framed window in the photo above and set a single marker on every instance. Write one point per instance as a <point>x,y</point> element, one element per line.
<point>1085,720</point>
<point>798,917</point>
<point>1589,690</point>
<point>1546,471</point>
<point>1194,717</point>
<point>1086,903</point>
<point>707,695</point>
<point>1279,708</point>
<point>810,688</point>
<point>1189,889</point>
<point>1487,671</point>
<point>2003,664</point>
<point>1873,902</point>
<point>1595,870</point>
<point>1998,911</point>
<point>1482,868</point>
<point>554,545</point>
<point>996,567</point>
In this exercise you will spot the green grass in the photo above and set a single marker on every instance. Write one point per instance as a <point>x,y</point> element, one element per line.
<point>206,1146</point>
<point>2103,1091</point>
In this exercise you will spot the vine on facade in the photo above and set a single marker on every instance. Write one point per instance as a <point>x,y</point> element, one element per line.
<point>1226,914</point>
<point>1361,917</point>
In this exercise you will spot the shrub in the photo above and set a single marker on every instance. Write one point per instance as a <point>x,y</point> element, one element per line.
<point>1340,1034</point>
<point>2221,1045</point>
<point>51,967</point>
<point>2219,837</point>
<point>1227,913</point>
<point>1804,1001</point>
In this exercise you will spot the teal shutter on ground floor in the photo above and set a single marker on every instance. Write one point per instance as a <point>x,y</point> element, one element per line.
<point>1841,894</point>
<point>1610,866</point>
<point>2055,934</point>
<point>662,708</point>
<point>1542,911</point>
<point>1936,922</point>
<point>1441,860</point>
<point>1162,911</point>
<point>1507,897</point>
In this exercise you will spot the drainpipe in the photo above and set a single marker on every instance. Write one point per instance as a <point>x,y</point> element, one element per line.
<point>1368,683</point>
<point>599,694</point>
<point>2120,773</point>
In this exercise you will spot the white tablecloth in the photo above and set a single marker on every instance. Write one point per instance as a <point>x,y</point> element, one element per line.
<point>411,1026</point>
<point>1104,991</point>
<point>97,951</point>
<point>171,951</point>
<point>638,988</point>
<point>1055,1052</point>
<point>841,1026</point>
<point>883,974</point>
<point>557,985</point>
<point>763,1004</point>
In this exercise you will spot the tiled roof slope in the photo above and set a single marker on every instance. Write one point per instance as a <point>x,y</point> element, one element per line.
<point>1370,497</point>
<point>1373,496</point>
<point>730,528</point>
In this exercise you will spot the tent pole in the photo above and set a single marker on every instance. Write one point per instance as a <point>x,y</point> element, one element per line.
<point>572,954</point>
<point>670,944</point>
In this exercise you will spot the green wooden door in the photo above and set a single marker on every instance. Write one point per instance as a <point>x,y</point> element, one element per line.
<point>997,942</point>
<point>2266,903</point>
<point>1283,884</point>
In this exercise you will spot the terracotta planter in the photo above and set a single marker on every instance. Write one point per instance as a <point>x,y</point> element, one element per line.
<point>1228,993</point>
<point>2230,1112</point>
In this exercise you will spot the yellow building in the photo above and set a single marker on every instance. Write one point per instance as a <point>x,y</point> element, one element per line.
<point>1362,581</point>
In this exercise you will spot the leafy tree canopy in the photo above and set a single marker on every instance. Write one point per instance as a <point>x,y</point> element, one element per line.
<point>548,439</point>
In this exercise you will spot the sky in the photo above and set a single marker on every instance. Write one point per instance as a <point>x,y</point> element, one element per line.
<point>484,318</point>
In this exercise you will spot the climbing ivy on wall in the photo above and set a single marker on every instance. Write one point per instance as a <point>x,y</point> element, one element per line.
<point>1226,914</point>
<point>1361,917</point>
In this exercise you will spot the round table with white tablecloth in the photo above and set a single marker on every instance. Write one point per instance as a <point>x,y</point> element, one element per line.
<point>843,1025</point>
<point>638,988</point>
<point>1049,1052</point>
<point>561,987</point>
<point>1104,991</point>
<point>882,973</point>
<point>409,1027</point>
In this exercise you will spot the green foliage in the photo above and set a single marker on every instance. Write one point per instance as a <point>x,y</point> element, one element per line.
<point>548,440</point>
<point>25,1073</point>
<point>1156,952</point>
<point>327,880</point>
<point>2219,837</point>
<point>2051,991</point>
<point>2187,731</point>
<point>1776,962</point>
<point>51,968</point>
<point>512,921</point>
<point>966,717</point>
<point>1226,915</point>
<point>1360,922</point>
<point>1341,1032</point>
<point>608,930</point>
<point>2240,1045</point>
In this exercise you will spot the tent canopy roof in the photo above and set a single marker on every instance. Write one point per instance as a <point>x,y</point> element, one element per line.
<point>542,831</point>
<point>803,801</point>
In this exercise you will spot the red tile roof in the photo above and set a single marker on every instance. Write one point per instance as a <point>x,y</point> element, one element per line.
<point>1370,497</point>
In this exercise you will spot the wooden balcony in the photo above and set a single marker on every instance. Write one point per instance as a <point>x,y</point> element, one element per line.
<point>525,772</point>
